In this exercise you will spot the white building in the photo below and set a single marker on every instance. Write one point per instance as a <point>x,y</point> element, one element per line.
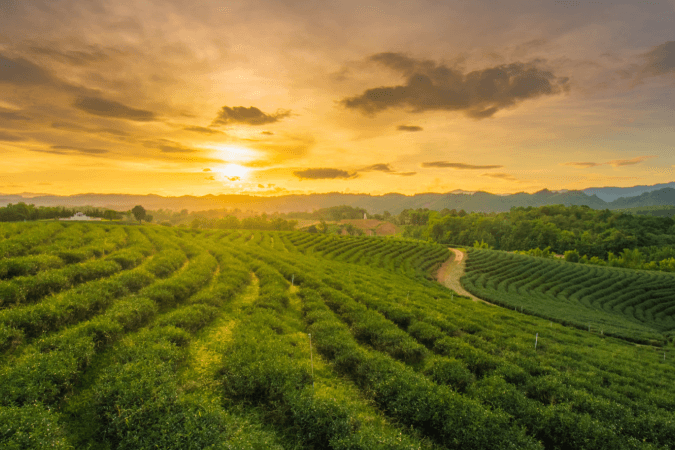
<point>80,216</point>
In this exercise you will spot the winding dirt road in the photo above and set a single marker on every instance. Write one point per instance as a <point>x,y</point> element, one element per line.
<point>450,272</point>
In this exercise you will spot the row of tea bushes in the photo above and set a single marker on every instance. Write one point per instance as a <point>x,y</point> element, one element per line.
<point>573,414</point>
<point>57,258</point>
<point>30,237</point>
<point>633,305</point>
<point>72,306</point>
<point>30,289</point>
<point>28,265</point>
<point>451,420</point>
<point>267,366</point>
<point>63,357</point>
<point>138,400</point>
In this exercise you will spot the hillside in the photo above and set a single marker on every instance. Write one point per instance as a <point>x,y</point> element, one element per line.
<point>631,304</point>
<point>143,336</point>
<point>394,203</point>
<point>609,194</point>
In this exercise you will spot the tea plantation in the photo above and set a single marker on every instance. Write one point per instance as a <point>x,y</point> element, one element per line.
<point>136,337</point>
<point>636,305</point>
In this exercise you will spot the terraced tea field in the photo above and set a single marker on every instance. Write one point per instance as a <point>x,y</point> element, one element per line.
<point>636,305</point>
<point>152,337</point>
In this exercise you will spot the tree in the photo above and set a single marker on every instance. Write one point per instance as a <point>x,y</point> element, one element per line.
<point>139,212</point>
<point>110,214</point>
<point>322,227</point>
<point>571,256</point>
<point>148,218</point>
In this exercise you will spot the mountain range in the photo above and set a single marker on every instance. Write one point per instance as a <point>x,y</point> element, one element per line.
<point>609,194</point>
<point>656,195</point>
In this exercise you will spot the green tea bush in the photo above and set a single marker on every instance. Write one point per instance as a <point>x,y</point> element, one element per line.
<point>449,372</point>
<point>31,426</point>
<point>190,318</point>
<point>610,300</point>
<point>28,265</point>
<point>436,411</point>
<point>22,243</point>
<point>136,403</point>
<point>73,306</point>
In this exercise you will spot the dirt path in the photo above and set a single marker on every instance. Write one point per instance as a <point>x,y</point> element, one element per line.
<point>450,272</point>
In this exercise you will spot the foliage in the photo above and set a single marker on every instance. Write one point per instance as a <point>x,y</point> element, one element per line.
<point>618,302</point>
<point>167,352</point>
<point>590,232</point>
<point>21,211</point>
<point>139,213</point>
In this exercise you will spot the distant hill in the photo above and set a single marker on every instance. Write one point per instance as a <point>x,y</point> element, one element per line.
<point>394,203</point>
<point>609,194</point>
<point>662,197</point>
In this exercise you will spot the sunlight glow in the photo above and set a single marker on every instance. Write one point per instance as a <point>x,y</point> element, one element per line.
<point>233,152</point>
<point>232,172</point>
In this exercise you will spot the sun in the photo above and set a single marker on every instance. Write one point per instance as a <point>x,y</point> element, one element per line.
<point>232,172</point>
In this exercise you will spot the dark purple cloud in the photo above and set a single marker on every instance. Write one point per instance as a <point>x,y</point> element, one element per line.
<point>108,108</point>
<point>452,165</point>
<point>432,87</point>
<point>249,116</point>
<point>323,174</point>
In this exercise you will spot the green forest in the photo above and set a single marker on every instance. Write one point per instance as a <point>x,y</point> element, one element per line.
<point>593,235</point>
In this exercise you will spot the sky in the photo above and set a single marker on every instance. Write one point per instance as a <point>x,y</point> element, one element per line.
<point>285,97</point>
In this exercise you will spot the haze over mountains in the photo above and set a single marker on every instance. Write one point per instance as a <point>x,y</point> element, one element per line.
<point>609,194</point>
<point>637,196</point>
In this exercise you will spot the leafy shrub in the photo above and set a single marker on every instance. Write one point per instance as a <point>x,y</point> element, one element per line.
<point>31,426</point>
<point>448,371</point>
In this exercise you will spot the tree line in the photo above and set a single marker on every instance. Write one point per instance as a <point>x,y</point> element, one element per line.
<point>591,233</point>
<point>262,222</point>
<point>21,211</point>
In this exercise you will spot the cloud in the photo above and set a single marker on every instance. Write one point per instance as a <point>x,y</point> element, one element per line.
<point>108,108</point>
<point>658,61</point>
<point>479,94</point>
<point>96,151</point>
<point>20,71</point>
<point>323,173</point>
<point>503,176</point>
<point>377,168</point>
<point>7,137</point>
<point>451,165</point>
<point>75,127</point>
<point>206,170</point>
<point>167,146</point>
<point>249,116</point>
<point>614,163</point>
<point>73,57</point>
<point>409,128</point>
<point>583,165</point>
<point>267,133</point>
<point>203,130</point>
<point>629,162</point>
<point>385,168</point>
<point>12,115</point>
<point>68,150</point>
<point>211,178</point>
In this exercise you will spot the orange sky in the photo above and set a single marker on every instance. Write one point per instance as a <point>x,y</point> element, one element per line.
<point>268,98</point>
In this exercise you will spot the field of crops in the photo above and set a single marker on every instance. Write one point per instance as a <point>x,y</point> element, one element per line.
<point>631,304</point>
<point>152,337</point>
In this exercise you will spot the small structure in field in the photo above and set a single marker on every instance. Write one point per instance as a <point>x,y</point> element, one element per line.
<point>81,216</point>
